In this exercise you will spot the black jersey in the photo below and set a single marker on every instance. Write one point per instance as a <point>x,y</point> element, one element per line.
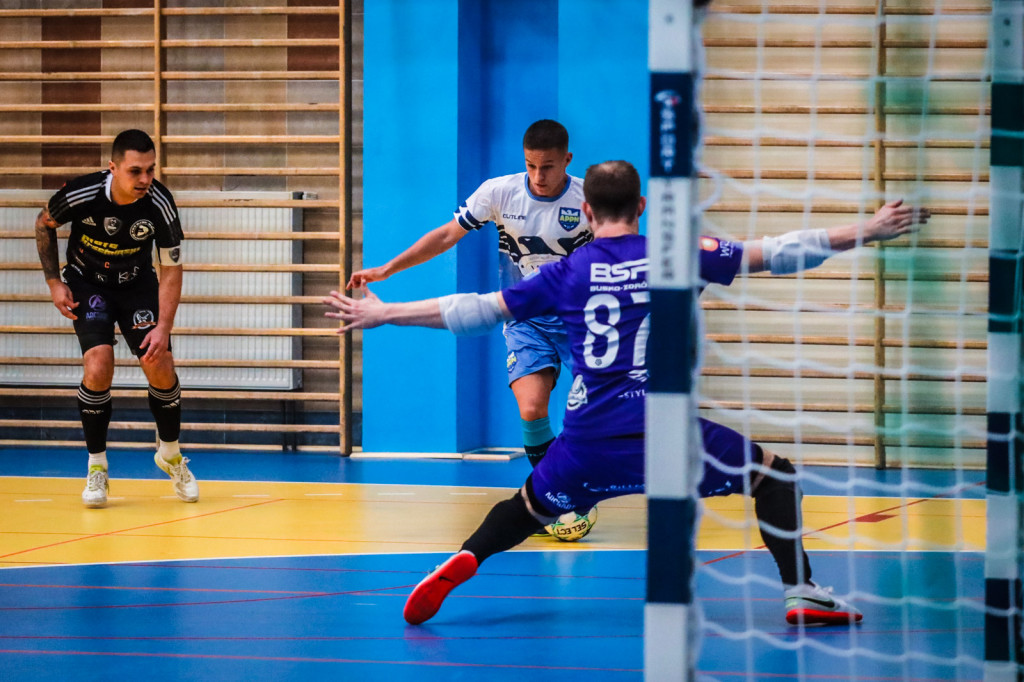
<point>112,244</point>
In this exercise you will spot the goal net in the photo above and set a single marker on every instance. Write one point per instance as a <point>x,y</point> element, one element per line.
<point>871,373</point>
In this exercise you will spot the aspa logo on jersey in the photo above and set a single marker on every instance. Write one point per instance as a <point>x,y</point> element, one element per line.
<point>614,273</point>
<point>141,229</point>
<point>569,218</point>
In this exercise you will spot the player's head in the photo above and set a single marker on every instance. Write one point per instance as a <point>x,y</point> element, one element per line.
<point>131,140</point>
<point>546,150</point>
<point>132,164</point>
<point>611,191</point>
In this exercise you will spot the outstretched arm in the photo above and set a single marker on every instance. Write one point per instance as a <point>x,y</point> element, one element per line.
<point>431,244</point>
<point>806,249</point>
<point>460,313</point>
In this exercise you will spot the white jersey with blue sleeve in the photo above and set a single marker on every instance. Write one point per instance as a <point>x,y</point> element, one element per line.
<point>532,230</point>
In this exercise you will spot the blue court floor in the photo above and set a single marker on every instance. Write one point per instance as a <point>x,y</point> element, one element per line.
<point>528,615</point>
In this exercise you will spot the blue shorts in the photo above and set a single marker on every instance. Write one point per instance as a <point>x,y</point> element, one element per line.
<point>576,475</point>
<point>532,347</point>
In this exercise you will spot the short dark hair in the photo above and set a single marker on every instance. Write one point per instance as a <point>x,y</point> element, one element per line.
<point>546,134</point>
<point>135,140</point>
<point>612,189</point>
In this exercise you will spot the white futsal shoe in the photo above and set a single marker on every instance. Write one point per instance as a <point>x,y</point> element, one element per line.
<point>96,487</point>
<point>812,604</point>
<point>185,485</point>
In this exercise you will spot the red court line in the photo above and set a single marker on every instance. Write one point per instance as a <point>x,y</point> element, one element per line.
<point>377,592</point>
<point>148,525</point>
<point>846,522</point>
<point>309,659</point>
<point>320,638</point>
<point>166,564</point>
<point>203,603</point>
<point>808,676</point>
<point>130,588</point>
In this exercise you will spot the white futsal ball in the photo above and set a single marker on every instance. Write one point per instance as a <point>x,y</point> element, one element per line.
<point>572,526</point>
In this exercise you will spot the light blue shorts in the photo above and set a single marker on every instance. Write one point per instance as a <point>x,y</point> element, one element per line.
<point>532,347</point>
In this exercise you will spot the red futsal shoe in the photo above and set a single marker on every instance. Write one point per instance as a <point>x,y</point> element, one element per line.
<point>426,599</point>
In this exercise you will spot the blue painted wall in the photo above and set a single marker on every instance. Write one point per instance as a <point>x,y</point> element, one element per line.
<point>450,86</point>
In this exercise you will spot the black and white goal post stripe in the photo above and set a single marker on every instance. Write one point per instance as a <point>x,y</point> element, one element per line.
<point>1005,492</point>
<point>673,445</point>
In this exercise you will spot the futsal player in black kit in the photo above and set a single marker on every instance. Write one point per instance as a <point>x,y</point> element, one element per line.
<point>116,216</point>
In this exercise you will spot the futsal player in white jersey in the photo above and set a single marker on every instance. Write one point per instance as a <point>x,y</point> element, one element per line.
<point>539,220</point>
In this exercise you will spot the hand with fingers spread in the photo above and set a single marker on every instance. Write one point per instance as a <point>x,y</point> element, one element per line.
<point>893,220</point>
<point>356,313</point>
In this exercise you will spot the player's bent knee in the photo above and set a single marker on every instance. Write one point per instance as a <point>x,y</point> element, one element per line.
<point>781,475</point>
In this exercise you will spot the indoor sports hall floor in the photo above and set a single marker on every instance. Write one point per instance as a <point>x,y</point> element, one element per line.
<point>296,566</point>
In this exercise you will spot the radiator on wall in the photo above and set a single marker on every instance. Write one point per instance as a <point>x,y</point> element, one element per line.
<point>214,316</point>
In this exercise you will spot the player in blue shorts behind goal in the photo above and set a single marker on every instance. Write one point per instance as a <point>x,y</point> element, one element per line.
<point>600,293</point>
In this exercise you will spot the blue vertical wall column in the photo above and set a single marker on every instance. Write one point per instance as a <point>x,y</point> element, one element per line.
<point>508,80</point>
<point>410,162</point>
<point>449,88</point>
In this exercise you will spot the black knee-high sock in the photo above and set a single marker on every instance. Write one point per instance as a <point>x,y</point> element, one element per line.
<point>165,404</point>
<point>777,503</point>
<point>535,453</point>
<point>507,524</point>
<point>95,409</point>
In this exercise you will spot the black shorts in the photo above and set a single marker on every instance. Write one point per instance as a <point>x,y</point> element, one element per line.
<point>135,309</point>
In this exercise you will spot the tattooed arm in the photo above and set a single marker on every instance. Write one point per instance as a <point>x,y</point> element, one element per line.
<point>46,246</point>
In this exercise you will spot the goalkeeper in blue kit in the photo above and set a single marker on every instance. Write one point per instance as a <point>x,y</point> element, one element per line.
<point>600,294</point>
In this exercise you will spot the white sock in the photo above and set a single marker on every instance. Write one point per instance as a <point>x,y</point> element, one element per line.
<point>169,450</point>
<point>98,459</point>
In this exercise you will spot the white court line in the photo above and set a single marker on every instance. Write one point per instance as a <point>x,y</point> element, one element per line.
<point>33,500</point>
<point>383,494</point>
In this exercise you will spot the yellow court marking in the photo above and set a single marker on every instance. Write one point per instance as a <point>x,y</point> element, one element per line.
<point>45,523</point>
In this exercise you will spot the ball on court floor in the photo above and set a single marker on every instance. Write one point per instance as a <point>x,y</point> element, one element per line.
<point>571,527</point>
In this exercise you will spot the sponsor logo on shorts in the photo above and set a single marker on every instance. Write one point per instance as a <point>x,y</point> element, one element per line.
<point>143,319</point>
<point>111,225</point>
<point>511,361</point>
<point>141,230</point>
<point>97,303</point>
<point>96,316</point>
<point>624,489</point>
<point>569,218</point>
<point>560,500</point>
